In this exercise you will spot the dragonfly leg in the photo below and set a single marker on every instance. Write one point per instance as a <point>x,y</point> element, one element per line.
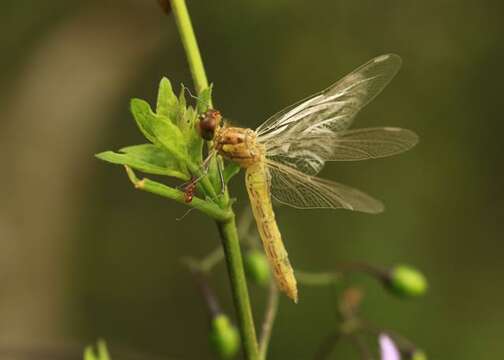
<point>185,214</point>
<point>189,92</point>
<point>206,163</point>
<point>221,177</point>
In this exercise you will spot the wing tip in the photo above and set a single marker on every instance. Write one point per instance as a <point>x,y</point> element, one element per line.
<point>388,57</point>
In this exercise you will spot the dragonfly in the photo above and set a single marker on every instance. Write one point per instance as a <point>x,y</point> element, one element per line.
<point>282,156</point>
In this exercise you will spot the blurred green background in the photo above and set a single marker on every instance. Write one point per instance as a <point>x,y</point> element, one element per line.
<point>83,255</point>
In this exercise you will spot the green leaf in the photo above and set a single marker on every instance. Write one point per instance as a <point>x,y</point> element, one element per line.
<point>231,170</point>
<point>181,106</point>
<point>155,155</point>
<point>159,130</point>
<point>193,140</point>
<point>142,114</point>
<point>167,103</point>
<point>204,100</point>
<point>147,158</point>
<point>169,137</point>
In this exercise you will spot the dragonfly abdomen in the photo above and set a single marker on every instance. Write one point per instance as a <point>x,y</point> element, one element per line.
<point>258,188</point>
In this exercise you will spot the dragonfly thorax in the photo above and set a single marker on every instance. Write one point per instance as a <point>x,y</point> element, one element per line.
<point>238,145</point>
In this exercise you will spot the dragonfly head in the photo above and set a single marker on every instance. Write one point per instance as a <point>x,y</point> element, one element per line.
<point>238,145</point>
<point>209,121</point>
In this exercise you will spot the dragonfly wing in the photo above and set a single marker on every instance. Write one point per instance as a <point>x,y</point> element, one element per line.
<point>371,143</point>
<point>340,102</point>
<point>294,188</point>
<point>305,134</point>
<point>309,154</point>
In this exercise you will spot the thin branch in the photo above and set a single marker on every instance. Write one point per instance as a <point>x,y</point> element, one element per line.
<point>207,292</point>
<point>269,319</point>
<point>212,259</point>
<point>317,279</point>
<point>361,346</point>
<point>227,227</point>
<point>154,187</point>
<point>326,348</point>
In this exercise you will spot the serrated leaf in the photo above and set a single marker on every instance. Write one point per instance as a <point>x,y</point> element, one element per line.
<point>204,100</point>
<point>154,155</point>
<point>231,170</point>
<point>142,114</point>
<point>182,104</point>
<point>169,136</point>
<point>167,102</point>
<point>195,147</point>
<point>193,139</point>
<point>159,130</point>
<point>147,158</point>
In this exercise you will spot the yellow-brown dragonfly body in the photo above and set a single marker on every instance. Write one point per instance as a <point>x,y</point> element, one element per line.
<point>239,145</point>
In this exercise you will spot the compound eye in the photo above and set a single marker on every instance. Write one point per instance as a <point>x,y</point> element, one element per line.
<point>209,121</point>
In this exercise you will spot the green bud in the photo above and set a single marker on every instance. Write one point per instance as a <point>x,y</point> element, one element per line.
<point>224,338</point>
<point>406,281</point>
<point>103,354</point>
<point>89,353</point>
<point>418,355</point>
<point>257,267</point>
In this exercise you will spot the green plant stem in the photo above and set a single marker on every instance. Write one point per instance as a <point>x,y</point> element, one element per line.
<point>227,228</point>
<point>154,187</point>
<point>190,44</point>
<point>234,262</point>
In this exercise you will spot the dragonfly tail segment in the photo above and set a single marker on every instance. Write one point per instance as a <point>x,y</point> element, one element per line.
<point>258,188</point>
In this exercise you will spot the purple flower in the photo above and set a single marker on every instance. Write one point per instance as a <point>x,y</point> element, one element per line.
<point>388,350</point>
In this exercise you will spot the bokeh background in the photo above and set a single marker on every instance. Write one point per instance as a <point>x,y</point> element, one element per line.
<point>83,255</point>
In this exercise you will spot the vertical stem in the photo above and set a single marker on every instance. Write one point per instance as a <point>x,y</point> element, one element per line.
<point>234,262</point>
<point>227,228</point>
<point>190,44</point>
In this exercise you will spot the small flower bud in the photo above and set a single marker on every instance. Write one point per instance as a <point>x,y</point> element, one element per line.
<point>406,281</point>
<point>388,348</point>
<point>417,355</point>
<point>224,338</point>
<point>257,267</point>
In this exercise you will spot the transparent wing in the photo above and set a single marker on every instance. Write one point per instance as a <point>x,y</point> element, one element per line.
<point>293,188</point>
<point>305,134</point>
<point>309,154</point>
<point>372,143</point>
